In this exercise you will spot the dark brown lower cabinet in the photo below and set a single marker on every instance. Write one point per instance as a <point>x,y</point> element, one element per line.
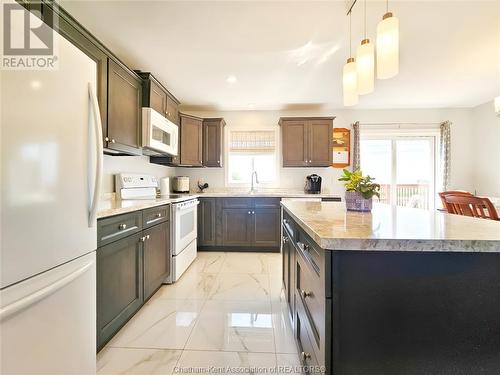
<point>132,263</point>
<point>303,338</point>
<point>206,222</point>
<point>288,274</point>
<point>307,286</point>
<point>237,227</point>
<point>119,285</point>
<point>239,224</point>
<point>156,257</point>
<point>393,312</point>
<point>266,227</point>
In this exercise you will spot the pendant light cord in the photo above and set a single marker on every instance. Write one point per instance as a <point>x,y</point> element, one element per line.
<point>387,6</point>
<point>365,19</point>
<point>350,33</point>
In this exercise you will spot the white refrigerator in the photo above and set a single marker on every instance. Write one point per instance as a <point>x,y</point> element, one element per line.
<point>51,164</point>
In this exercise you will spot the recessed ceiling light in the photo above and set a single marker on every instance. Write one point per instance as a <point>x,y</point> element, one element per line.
<point>35,85</point>
<point>231,79</point>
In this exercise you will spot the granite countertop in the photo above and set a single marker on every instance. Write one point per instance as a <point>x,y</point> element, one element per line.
<point>110,206</point>
<point>262,193</point>
<point>393,228</point>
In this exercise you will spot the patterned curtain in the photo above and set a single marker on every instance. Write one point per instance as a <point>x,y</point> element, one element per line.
<point>445,154</point>
<point>356,162</point>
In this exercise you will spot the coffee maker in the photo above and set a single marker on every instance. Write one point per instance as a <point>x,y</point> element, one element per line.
<point>313,184</point>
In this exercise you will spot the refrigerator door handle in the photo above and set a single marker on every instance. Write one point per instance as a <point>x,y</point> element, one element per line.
<point>99,152</point>
<point>42,293</point>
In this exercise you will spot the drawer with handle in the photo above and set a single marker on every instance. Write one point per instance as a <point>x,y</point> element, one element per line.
<point>310,253</point>
<point>155,215</point>
<point>311,293</point>
<point>116,227</point>
<point>306,350</point>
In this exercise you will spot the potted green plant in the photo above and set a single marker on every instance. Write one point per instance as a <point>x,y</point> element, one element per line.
<point>360,190</point>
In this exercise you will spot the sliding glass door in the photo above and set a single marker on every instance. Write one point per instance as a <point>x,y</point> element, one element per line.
<point>403,166</point>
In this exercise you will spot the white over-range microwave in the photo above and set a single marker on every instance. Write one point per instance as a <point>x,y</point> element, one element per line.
<point>159,135</point>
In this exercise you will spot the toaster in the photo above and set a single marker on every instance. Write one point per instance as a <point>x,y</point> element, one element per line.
<point>180,184</point>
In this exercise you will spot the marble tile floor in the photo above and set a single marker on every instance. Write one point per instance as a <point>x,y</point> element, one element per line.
<point>227,312</point>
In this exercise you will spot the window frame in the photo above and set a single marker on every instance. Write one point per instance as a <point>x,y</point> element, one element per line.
<point>276,153</point>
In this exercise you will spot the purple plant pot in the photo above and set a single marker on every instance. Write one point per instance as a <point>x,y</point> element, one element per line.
<point>354,201</point>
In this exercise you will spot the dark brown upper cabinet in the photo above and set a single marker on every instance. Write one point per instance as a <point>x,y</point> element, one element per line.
<point>156,96</point>
<point>172,109</point>
<point>190,134</point>
<point>111,74</point>
<point>307,141</point>
<point>124,109</point>
<point>213,141</point>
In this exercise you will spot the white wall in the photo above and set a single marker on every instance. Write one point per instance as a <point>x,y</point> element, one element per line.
<point>474,164</point>
<point>461,152</point>
<point>133,164</point>
<point>485,138</point>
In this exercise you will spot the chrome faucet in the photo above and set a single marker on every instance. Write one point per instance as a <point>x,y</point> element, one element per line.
<point>253,190</point>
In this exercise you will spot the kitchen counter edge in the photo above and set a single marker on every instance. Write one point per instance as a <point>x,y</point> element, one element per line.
<point>113,207</point>
<point>398,244</point>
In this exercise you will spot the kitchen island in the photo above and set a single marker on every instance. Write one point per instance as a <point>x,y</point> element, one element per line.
<point>395,291</point>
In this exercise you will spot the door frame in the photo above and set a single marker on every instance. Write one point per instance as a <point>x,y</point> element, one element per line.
<point>431,134</point>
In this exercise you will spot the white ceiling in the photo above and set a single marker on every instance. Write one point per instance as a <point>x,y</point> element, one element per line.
<point>289,54</point>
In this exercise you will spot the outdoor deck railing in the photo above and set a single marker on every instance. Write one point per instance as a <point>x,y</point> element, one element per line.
<point>407,195</point>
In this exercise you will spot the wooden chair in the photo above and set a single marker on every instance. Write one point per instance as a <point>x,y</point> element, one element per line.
<point>444,194</point>
<point>471,206</point>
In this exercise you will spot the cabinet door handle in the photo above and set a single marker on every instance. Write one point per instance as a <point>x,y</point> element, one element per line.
<point>122,226</point>
<point>112,140</point>
<point>106,139</point>
<point>158,215</point>
<point>305,356</point>
<point>147,237</point>
<point>143,239</point>
<point>285,239</point>
<point>253,212</point>
<point>249,212</point>
<point>305,294</point>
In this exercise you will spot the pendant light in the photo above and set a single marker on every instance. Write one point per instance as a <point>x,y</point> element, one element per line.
<point>365,65</point>
<point>388,45</point>
<point>350,78</point>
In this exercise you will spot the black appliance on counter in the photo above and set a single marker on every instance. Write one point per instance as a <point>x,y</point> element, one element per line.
<point>313,184</point>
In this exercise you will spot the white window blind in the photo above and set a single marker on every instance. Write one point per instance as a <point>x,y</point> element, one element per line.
<point>256,141</point>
